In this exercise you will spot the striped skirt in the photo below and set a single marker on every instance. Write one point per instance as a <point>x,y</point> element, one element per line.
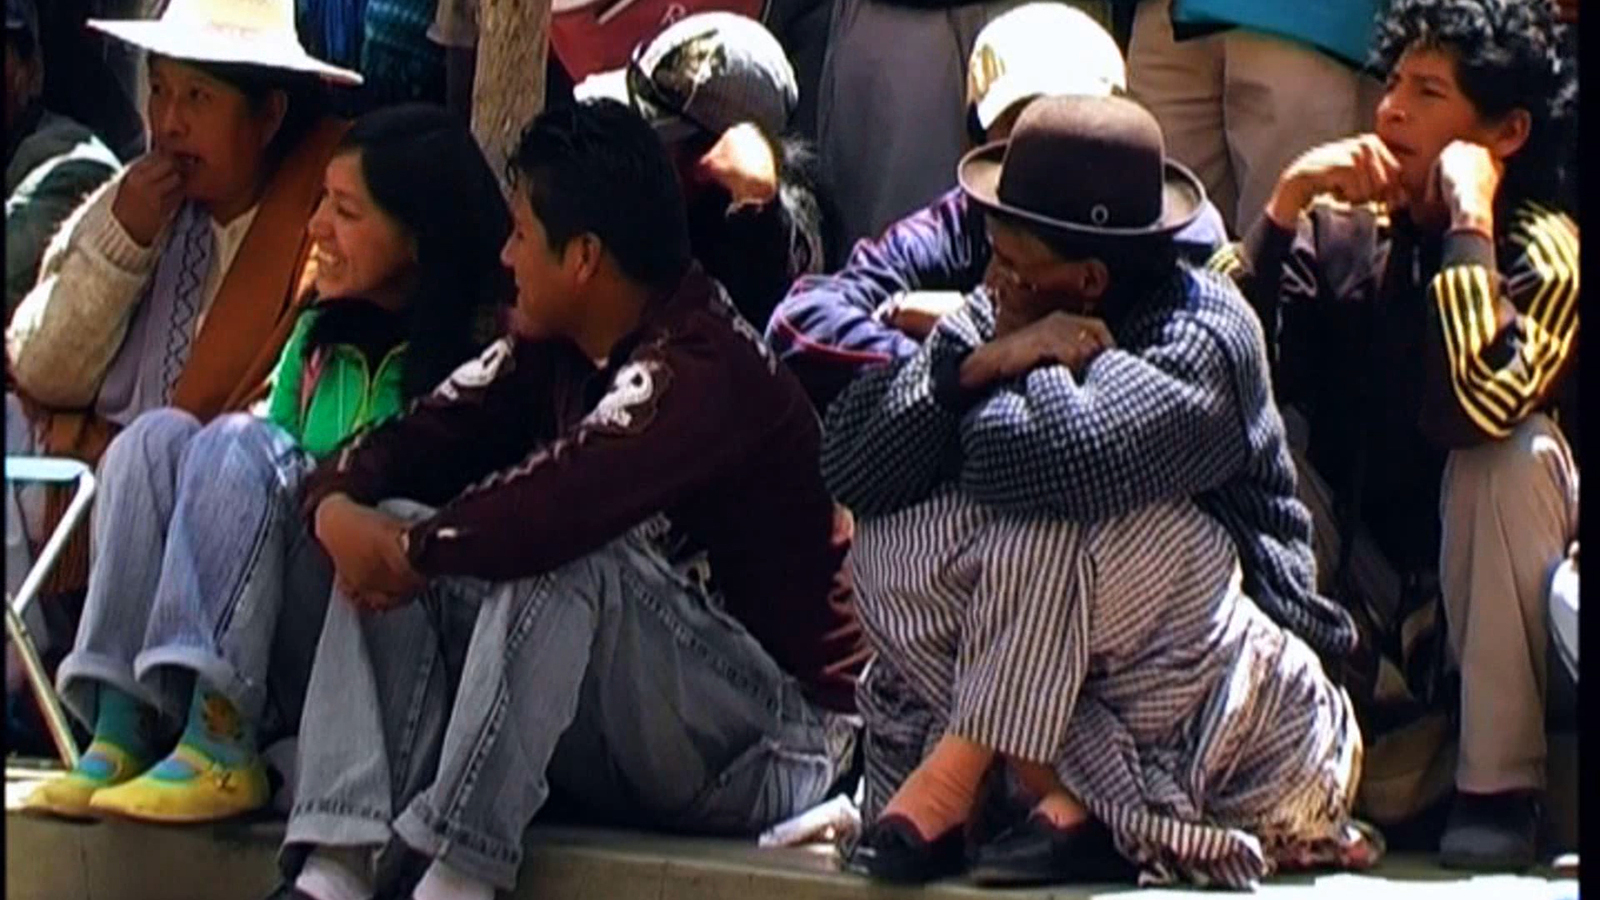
<point>1124,654</point>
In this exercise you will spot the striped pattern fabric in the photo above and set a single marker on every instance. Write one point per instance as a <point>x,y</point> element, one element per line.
<point>1204,735</point>
<point>1182,407</point>
<point>1500,379</point>
<point>985,635</point>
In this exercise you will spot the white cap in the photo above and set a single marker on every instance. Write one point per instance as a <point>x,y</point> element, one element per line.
<point>1041,49</point>
<point>709,72</point>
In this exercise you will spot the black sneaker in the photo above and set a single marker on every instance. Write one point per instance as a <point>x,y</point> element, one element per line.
<point>1492,832</point>
<point>287,891</point>
<point>398,871</point>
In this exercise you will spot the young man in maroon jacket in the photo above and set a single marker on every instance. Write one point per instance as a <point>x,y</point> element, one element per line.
<point>625,583</point>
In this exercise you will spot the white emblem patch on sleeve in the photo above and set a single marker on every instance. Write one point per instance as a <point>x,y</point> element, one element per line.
<point>630,405</point>
<point>477,373</point>
<point>723,304</point>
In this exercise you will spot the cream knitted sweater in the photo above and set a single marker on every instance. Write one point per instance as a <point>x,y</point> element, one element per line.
<point>68,329</point>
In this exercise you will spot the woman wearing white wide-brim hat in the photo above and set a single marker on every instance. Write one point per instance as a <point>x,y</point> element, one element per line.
<point>173,285</point>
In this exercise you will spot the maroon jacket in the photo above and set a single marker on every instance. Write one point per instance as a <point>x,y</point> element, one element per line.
<point>536,458</point>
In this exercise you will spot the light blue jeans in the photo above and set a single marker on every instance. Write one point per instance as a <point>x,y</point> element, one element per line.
<point>200,564</point>
<point>614,679</point>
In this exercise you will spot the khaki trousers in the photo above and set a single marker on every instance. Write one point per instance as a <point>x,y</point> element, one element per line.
<point>1238,106</point>
<point>1509,509</point>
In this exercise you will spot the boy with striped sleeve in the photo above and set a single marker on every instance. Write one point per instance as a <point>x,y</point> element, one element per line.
<point>1419,291</point>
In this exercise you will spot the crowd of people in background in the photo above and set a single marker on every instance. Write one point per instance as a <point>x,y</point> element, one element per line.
<point>1105,440</point>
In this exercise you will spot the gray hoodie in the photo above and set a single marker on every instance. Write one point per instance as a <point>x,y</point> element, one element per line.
<point>53,168</point>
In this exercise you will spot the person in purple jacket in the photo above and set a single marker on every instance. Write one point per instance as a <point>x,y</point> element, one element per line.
<point>892,290</point>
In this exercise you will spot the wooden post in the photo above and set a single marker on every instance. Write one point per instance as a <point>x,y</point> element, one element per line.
<point>508,89</point>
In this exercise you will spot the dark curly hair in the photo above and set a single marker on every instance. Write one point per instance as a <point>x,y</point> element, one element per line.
<point>1508,54</point>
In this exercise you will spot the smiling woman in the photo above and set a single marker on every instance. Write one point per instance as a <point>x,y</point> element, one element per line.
<point>411,221</point>
<point>359,248</point>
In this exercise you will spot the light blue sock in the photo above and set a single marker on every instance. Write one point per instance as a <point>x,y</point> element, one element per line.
<point>125,724</point>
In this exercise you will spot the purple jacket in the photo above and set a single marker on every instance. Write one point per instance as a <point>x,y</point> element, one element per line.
<point>827,328</point>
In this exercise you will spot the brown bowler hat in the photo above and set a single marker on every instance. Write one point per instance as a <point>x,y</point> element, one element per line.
<point>1090,166</point>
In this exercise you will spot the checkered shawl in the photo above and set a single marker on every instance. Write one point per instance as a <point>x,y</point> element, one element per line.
<point>1182,407</point>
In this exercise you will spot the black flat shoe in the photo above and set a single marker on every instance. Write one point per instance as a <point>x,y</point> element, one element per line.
<point>1492,833</point>
<point>1039,852</point>
<point>288,891</point>
<point>892,850</point>
<point>398,871</point>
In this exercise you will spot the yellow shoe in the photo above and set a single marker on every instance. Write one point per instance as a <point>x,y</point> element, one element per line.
<point>103,766</point>
<point>187,787</point>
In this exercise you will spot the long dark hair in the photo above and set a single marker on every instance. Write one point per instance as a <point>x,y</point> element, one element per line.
<point>423,168</point>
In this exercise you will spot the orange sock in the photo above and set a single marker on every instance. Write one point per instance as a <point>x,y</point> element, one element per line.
<point>940,793</point>
<point>1055,803</point>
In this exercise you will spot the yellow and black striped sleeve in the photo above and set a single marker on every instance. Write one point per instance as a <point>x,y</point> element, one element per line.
<point>1500,339</point>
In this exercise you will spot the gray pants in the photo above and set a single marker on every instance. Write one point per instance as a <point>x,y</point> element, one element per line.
<point>1509,509</point>
<point>200,563</point>
<point>904,70</point>
<point>615,679</point>
<point>1123,653</point>
<point>1239,106</point>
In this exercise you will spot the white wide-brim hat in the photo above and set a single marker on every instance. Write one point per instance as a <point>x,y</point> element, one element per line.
<point>249,32</point>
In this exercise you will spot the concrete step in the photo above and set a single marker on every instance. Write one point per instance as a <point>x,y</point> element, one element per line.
<point>53,860</point>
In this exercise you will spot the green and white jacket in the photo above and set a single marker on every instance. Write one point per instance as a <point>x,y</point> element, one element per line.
<point>333,394</point>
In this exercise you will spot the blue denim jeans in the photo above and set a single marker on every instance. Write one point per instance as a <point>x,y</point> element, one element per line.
<point>614,678</point>
<point>200,564</point>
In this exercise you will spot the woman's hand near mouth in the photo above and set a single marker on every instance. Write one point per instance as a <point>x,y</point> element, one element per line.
<point>1356,170</point>
<point>148,197</point>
